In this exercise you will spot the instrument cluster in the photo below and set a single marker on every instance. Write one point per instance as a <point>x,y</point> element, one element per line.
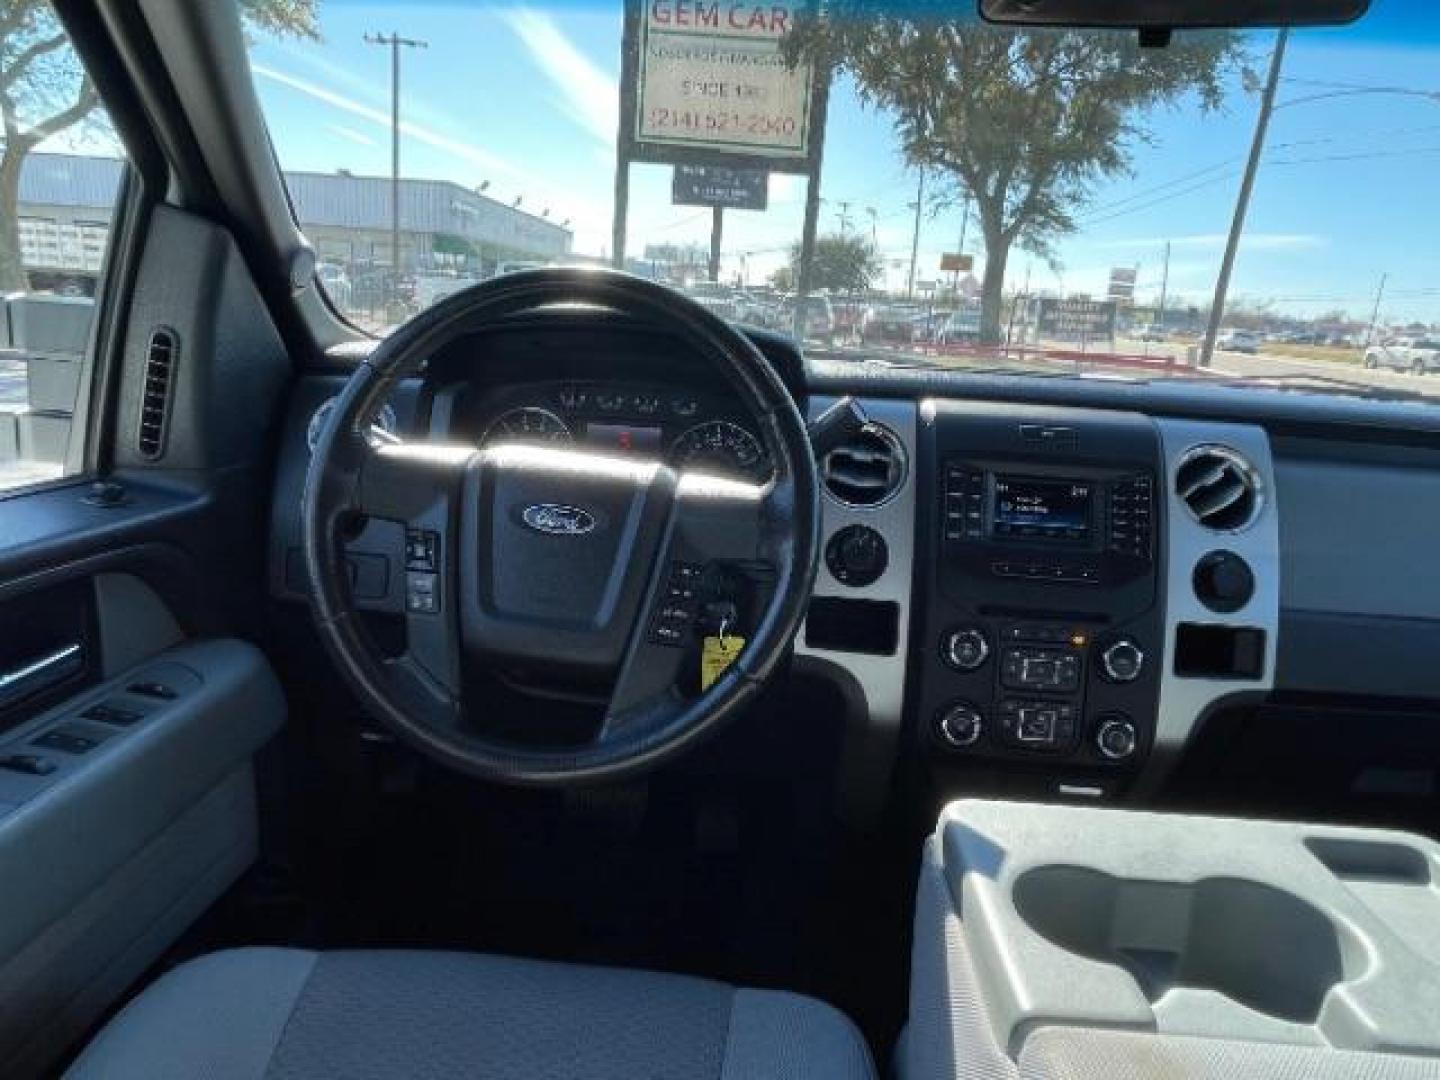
<point>688,430</point>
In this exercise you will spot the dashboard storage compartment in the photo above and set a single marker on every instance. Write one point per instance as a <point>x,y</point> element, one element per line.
<point>1088,922</point>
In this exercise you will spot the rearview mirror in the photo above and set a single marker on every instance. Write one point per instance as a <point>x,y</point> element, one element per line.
<point>1173,14</point>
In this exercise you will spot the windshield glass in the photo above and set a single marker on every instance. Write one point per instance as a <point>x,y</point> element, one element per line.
<point>945,193</point>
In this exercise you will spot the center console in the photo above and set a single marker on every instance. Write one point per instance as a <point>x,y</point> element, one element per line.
<point>1085,941</point>
<point>1042,621</point>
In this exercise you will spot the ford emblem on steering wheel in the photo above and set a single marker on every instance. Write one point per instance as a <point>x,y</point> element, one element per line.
<point>558,520</point>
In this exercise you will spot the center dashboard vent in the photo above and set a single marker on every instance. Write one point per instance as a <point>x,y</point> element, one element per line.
<point>160,361</point>
<point>867,469</point>
<point>1219,487</point>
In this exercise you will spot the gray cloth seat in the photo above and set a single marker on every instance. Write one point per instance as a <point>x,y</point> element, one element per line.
<point>278,1014</point>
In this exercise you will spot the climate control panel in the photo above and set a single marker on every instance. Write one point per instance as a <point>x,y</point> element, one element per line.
<point>1041,598</point>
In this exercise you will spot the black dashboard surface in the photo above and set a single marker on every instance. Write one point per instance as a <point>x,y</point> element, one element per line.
<point>1355,585</point>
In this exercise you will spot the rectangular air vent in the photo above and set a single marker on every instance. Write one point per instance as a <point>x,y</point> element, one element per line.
<point>160,360</point>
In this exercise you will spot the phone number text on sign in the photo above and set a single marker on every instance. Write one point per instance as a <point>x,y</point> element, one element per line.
<point>714,76</point>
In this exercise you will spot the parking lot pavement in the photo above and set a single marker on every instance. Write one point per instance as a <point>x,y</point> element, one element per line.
<point>1298,370</point>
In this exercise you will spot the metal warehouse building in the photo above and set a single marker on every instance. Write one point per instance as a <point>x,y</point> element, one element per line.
<point>66,202</point>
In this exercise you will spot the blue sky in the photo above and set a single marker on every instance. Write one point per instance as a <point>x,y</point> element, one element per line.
<point>525,97</point>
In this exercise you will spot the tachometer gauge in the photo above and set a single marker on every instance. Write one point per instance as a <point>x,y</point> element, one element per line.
<point>722,448</point>
<point>529,424</point>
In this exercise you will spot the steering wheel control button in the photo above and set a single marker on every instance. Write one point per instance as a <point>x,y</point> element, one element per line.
<point>965,649</point>
<point>1116,738</point>
<point>1037,725</point>
<point>959,725</point>
<point>1122,661</point>
<point>857,555</point>
<point>422,595</point>
<point>422,550</point>
<point>1223,581</point>
<point>675,618</point>
<point>31,764</point>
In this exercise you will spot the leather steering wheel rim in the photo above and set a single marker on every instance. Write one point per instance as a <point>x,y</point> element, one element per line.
<point>340,477</point>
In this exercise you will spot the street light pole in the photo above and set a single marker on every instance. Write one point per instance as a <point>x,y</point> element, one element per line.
<point>394,41</point>
<point>1242,204</point>
<point>964,228</point>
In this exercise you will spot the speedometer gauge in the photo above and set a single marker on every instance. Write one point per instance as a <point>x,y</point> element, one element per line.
<point>720,447</point>
<point>529,424</point>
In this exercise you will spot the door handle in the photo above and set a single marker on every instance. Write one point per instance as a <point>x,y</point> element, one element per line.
<point>41,673</point>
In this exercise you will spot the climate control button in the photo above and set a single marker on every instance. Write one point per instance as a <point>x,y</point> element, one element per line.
<point>1122,661</point>
<point>965,649</point>
<point>1116,738</point>
<point>959,725</point>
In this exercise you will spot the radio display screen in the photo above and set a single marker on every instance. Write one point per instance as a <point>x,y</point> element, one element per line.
<point>1025,506</point>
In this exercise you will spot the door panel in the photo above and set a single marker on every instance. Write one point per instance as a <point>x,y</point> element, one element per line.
<point>146,815</point>
<point>127,794</point>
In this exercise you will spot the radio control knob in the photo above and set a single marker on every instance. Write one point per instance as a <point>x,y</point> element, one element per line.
<point>1116,738</point>
<point>1122,661</point>
<point>965,649</point>
<point>960,725</point>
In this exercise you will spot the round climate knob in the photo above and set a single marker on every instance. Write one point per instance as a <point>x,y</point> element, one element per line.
<point>1122,661</point>
<point>965,649</point>
<point>1116,738</point>
<point>960,725</point>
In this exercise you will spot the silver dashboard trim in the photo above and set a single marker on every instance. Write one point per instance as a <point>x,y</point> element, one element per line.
<point>1183,701</point>
<point>881,678</point>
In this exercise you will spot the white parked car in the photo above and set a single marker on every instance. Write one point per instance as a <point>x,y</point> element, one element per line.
<point>1241,341</point>
<point>1417,355</point>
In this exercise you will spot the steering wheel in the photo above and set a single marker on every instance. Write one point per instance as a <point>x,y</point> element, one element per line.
<point>559,560</point>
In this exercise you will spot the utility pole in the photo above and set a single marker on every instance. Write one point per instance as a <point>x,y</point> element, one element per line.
<point>394,41</point>
<point>1242,204</point>
<point>1164,289</point>
<point>844,216</point>
<point>717,227</point>
<point>915,241</point>
<point>874,232</point>
<point>1375,314</point>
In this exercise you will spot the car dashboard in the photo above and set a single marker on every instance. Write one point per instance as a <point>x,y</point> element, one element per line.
<point>1018,589</point>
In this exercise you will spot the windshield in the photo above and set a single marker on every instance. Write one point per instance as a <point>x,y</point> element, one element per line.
<point>946,194</point>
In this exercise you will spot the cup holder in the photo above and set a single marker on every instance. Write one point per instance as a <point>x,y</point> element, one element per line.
<point>1258,945</point>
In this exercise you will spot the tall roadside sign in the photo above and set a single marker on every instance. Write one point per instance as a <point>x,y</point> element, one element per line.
<point>721,189</point>
<point>706,83</point>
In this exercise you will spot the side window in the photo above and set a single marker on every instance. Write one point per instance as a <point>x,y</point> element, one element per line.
<point>60,171</point>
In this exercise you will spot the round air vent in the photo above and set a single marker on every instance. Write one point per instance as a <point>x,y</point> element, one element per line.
<point>1219,487</point>
<point>867,469</point>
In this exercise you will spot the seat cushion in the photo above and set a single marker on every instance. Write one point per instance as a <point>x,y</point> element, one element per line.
<point>279,1014</point>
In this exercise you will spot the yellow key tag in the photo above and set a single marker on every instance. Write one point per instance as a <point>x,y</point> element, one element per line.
<point>717,654</point>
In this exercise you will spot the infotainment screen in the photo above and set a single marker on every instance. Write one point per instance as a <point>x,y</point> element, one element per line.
<point>1047,509</point>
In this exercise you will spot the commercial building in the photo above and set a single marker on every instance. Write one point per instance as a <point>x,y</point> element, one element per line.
<point>66,203</point>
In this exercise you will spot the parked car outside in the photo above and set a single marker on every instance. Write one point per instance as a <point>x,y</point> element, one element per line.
<point>1241,341</point>
<point>892,324</point>
<point>1416,355</point>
